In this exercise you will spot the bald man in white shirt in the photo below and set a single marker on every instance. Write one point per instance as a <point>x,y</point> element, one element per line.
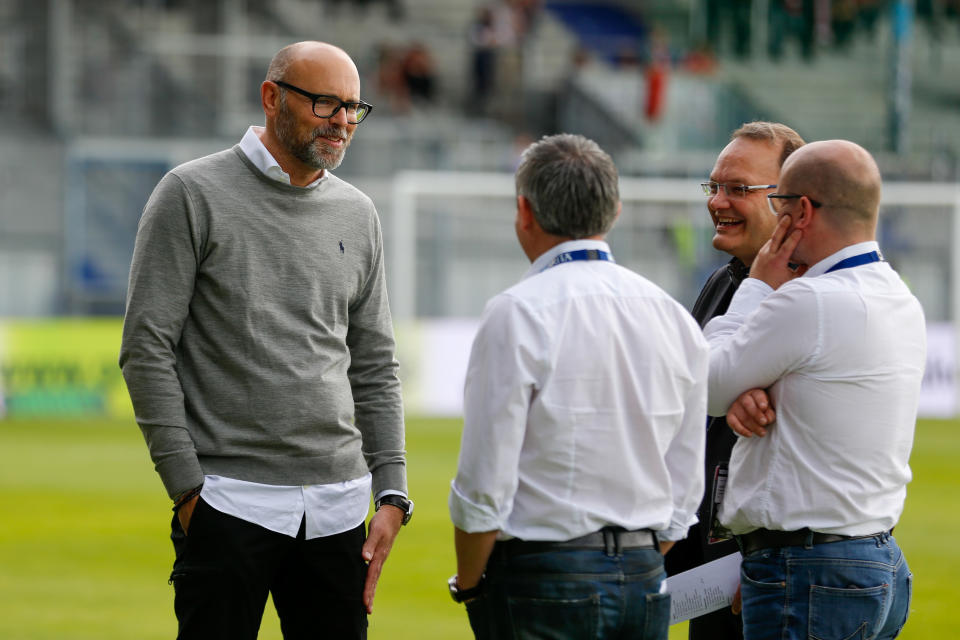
<point>583,430</point>
<point>839,345</point>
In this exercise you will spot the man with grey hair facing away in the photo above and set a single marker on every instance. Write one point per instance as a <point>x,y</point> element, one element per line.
<point>584,407</point>
<point>259,354</point>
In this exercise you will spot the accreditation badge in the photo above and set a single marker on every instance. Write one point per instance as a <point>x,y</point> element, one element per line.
<point>717,532</point>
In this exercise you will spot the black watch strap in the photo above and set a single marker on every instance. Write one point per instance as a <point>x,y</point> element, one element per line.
<point>399,502</point>
<point>464,595</point>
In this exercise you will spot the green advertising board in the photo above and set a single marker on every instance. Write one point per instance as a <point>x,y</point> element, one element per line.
<point>62,367</point>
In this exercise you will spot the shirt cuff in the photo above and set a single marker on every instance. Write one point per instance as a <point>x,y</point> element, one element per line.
<point>469,516</point>
<point>390,478</point>
<point>676,531</point>
<point>179,473</point>
<point>389,492</point>
<point>672,533</point>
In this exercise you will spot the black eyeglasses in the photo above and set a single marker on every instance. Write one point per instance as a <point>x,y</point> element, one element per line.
<point>325,106</point>
<point>737,190</point>
<point>776,201</point>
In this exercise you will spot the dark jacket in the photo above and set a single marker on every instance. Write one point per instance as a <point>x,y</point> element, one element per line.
<point>695,549</point>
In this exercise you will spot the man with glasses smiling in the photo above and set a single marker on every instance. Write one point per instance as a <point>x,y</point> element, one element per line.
<point>258,351</point>
<point>746,170</point>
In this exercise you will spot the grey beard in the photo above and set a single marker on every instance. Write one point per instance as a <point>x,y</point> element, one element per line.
<point>307,151</point>
<point>310,153</point>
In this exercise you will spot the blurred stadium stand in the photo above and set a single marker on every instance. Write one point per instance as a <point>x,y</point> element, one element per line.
<point>99,97</point>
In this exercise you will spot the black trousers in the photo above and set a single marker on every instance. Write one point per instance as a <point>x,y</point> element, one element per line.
<point>226,566</point>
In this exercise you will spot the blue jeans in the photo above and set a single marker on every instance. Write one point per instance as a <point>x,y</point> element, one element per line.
<point>573,593</point>
<point>854,589</point>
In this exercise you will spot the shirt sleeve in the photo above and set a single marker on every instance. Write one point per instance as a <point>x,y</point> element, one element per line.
<point>162,274</point>
<point>764,335</point>
<point>686,451</point>
<point>374,379</point>
<point>503,373</point>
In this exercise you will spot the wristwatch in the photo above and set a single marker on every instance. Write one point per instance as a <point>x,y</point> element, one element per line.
<point>464,595</point>
<point>398,501</point>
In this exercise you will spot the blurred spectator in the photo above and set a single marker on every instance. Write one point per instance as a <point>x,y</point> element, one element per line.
<point>405,74</point>
<point>700,59</point>
<point>391,84</point>
<point>523,15</point>
<point>496,36</point>
<point>482,36</point>
<point>732,15</point>
<point>419,73</point>
<point>932,14</point>
<point>843,21</point>
<point>869,14</point>
<point>788,19</point>
<point>656,75</point>
<point>508,23</point>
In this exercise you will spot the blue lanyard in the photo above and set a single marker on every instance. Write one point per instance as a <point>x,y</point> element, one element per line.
<point>856,261</point>
<point>582,254</point>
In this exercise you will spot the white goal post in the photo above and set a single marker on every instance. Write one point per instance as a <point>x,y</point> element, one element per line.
<point>450,246</point>
<point>410,188</point>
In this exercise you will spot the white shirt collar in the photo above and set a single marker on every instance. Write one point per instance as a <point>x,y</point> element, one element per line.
<point>262,159</point>
<point>821,267</point>
<point>547,257</point>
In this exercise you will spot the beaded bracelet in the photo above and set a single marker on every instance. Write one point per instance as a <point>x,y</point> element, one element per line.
<point>186,497</point>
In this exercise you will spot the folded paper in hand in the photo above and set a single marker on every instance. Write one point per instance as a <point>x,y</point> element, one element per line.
<point>703,589</point>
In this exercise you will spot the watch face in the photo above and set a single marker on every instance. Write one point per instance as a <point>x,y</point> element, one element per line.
<point>465,594</point>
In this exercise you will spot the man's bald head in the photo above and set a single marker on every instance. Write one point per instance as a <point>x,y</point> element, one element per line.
<point>842,176</point>
<point>309,50</point>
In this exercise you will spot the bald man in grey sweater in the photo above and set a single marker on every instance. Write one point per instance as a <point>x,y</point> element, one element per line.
<point>258,351</point>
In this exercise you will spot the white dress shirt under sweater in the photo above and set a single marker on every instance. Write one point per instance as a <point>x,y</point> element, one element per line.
<point>843,355</point>
<point>584,406</point>
<point>325,509</point>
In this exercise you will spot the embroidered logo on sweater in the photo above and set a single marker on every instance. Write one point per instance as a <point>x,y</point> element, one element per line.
<point>341,246</point>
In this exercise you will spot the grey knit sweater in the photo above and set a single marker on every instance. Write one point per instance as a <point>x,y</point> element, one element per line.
<point>257,342</point>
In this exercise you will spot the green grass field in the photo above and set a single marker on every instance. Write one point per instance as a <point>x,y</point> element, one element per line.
<point>84,552</point>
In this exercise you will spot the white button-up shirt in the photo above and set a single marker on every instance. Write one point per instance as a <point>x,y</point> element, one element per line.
<point>584,406</point>
<point>325,509</point>
<point>842,354</point>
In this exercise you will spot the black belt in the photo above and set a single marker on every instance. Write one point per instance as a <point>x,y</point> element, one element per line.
<point>609,539</point>
<point>769,539</point>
